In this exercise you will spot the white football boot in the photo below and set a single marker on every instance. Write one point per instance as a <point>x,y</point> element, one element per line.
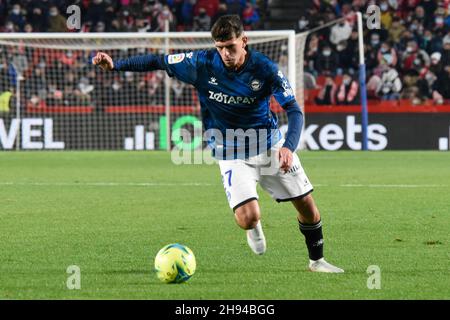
<point>322,266</point>
<point>256,239</point>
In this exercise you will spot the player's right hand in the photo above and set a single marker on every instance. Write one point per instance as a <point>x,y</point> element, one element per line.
<point>103,60</point>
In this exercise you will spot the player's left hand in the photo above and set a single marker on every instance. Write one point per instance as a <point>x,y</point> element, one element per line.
<point>285,157</point>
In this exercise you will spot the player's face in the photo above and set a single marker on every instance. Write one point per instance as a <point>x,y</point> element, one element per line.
<point>232,51</point>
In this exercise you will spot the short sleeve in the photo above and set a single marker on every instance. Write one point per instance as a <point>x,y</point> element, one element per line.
<point>281,89</point>
<point>183,66</point>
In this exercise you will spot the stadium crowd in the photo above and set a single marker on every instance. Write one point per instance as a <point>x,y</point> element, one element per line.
<point>126,15</point>
<point>407,58</point>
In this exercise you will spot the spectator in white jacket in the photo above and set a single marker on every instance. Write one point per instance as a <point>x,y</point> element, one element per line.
<point>390,85</point>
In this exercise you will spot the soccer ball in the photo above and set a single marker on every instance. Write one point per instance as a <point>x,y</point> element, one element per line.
<point>175,263</point>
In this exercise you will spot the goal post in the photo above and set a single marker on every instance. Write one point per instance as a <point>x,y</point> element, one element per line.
<point>60,101</point>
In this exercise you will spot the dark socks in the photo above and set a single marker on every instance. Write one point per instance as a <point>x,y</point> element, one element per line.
<point>313,238</point>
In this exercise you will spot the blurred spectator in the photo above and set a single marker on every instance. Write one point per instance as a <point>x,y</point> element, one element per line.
<point>446,51</point>
<point>312,53</point>
<point>302,24</point>
<point>165,16</point>
<point>396,30</point>
<point>430,43</point>
<point>390,84</point>
<point>210,6</point>
<point>327,95</point>
<point>28,28</point>
<point>57,23</point>
<point>96,12</point>
<point>340,32</point>
<point>326,61</point>
<point>202,22</point>
<point>388,54</point>
<point>413,56</point>
<point>441,87</point>
<point>16,17</point>
<point>347,92</point>
<point>386,15</point>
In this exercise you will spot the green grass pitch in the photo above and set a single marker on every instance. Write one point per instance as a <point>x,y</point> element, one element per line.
<point>110,212</point>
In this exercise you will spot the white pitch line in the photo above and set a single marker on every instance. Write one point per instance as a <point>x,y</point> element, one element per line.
<point>202,184</point>
<point>393,185</point>
<point>106,184</point>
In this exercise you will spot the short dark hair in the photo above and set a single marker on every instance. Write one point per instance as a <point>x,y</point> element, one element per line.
<point>226,27</point>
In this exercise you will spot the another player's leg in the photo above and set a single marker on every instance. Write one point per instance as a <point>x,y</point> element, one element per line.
<point>248,217</point>
<point>310,225</point>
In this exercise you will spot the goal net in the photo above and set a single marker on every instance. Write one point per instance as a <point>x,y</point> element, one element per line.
<point>52,98</point>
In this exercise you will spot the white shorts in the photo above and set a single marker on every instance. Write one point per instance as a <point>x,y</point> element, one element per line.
<point>240,178</point>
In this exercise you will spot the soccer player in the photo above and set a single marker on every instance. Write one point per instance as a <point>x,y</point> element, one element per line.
<point>234,85</point>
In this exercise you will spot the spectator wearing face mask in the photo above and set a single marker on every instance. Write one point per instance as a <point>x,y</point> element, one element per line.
<point>386,15</point>
<point>390,85</point>
<point>202,22</point>
<point>371,51</point>
<point>375,41</point>
<point>16,17</point>
<point>388,54</point>
<point>439,21</point>
<point>438,86</point>
<point>57,23</point>
<point>326,61</point>
<point>430,43</point>
<point>413,57</point>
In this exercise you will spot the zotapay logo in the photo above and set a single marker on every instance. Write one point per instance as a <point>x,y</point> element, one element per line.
<point>227,99</point>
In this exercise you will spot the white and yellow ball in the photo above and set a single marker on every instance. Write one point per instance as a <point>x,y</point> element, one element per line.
<point>175,263</point>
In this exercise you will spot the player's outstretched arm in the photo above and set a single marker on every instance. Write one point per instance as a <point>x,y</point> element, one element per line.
<point>103,60</point>
<point>149,62</point>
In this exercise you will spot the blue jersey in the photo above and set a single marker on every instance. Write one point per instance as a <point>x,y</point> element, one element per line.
<point>234,99</point>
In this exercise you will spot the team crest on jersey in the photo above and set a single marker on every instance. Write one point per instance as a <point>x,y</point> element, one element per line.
<point>213,81</point>
<point>255,84</point>
<point>280,74</point>
<point>176,58</point>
